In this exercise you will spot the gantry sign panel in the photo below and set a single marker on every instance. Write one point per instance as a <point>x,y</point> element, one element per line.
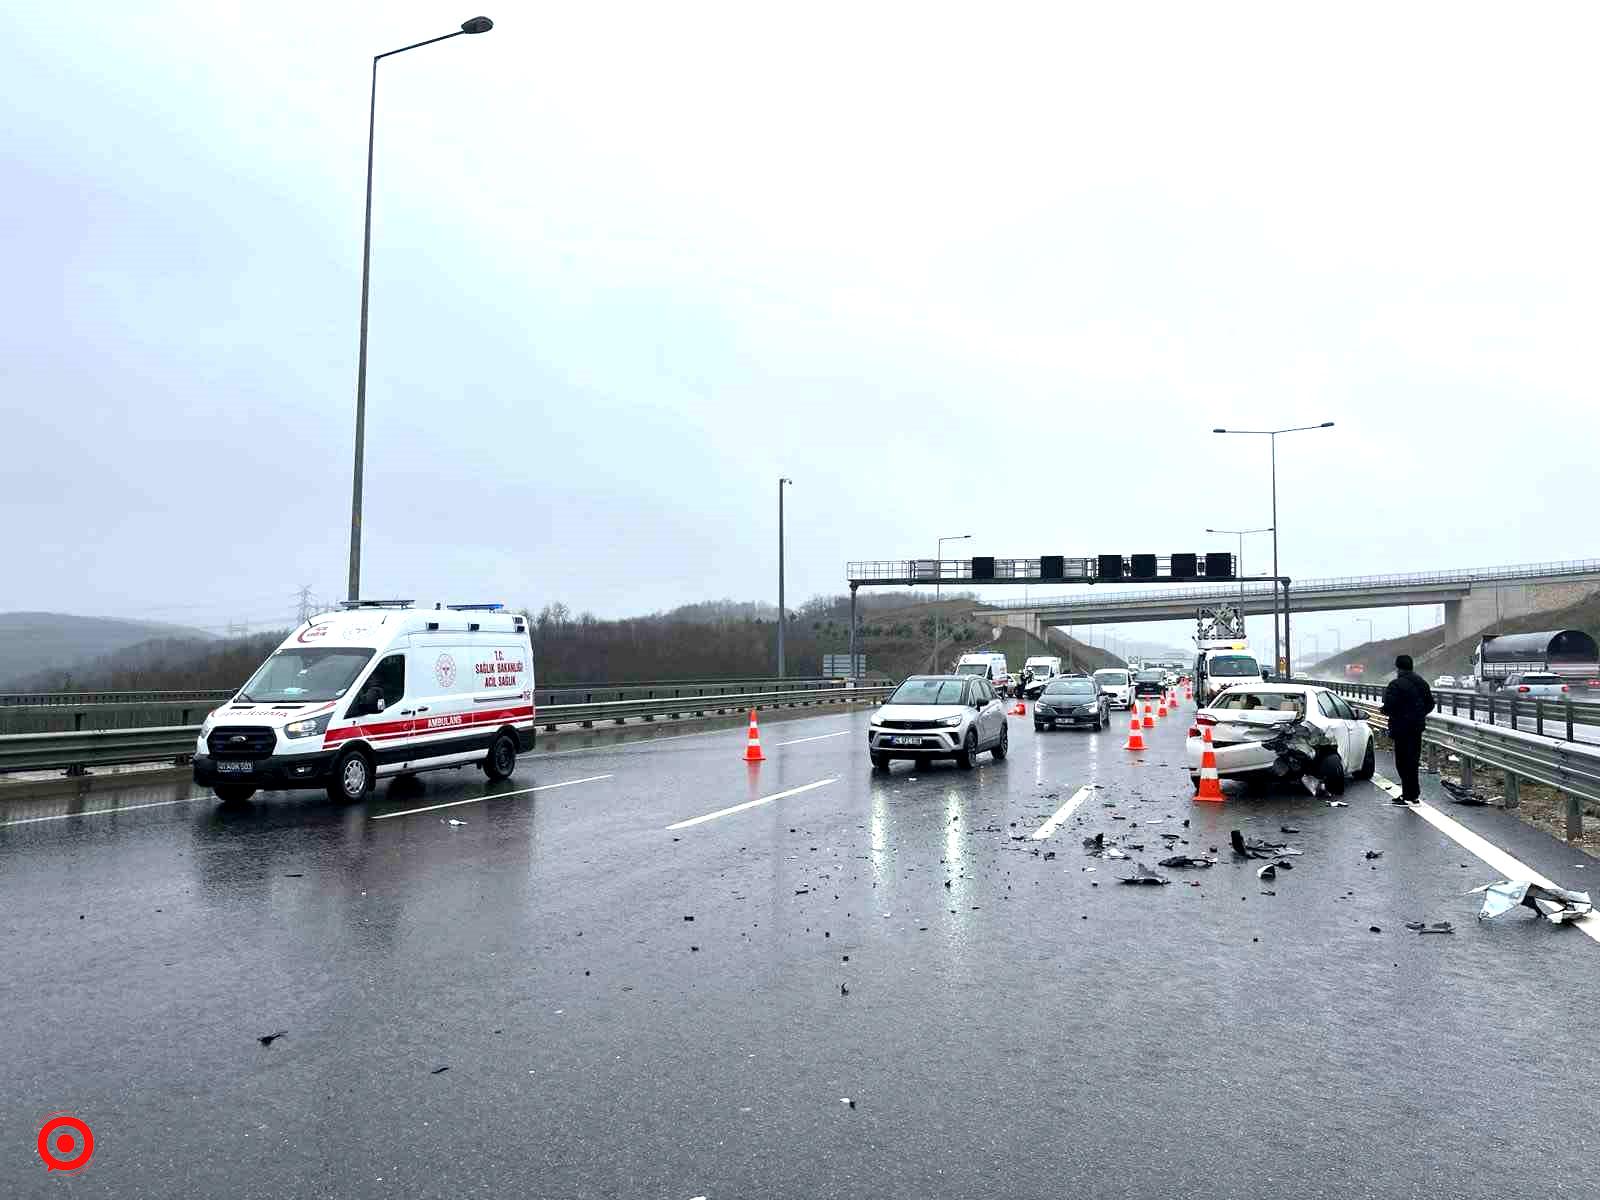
<point>1047,568</point>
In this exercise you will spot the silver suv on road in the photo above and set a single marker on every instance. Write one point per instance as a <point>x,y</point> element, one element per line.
<point>939,716</point>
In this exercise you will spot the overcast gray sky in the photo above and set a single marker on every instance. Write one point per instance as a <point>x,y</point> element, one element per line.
<point>994,270</point>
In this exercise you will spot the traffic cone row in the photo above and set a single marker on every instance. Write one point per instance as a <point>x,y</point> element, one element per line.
<point>1149,718</point>
<point>752,746</point>
<point>1210,783</point>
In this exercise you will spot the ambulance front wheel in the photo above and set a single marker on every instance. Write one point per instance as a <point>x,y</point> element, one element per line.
<point>502,759</point>
<point>352,778</point>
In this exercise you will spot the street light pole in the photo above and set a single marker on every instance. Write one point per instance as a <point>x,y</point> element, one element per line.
<point>1240,566</point>
<point>938,592</point>
<point>1338,642</point>
<point>1277,587</point>
<point>475,25</point>
<point>1370,635</point>
<point>782,611</point>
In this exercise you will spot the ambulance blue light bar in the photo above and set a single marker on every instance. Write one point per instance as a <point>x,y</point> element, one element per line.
<point>475,607</point>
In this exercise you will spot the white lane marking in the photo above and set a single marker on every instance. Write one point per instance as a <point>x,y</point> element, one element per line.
<point>543,787</point>
<point>99,812</point>
<point>723,812</point>
<point>818,738</point>
<point>1509,868</point>
<point>1061,814</point>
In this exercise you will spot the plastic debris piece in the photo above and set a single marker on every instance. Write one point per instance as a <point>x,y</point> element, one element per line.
<point>845,1100</point>
<point>1374,929</point>
<point>438,1071</point>
<point>1288,829</point>
<point>1267,872</point>
<point>1461,795</point>
<point>1337,804</point>
<point>1555,904</point>
<point>266,1039</point>
<point>1049,854</point>
<point>451,821</point>
<point>1371,854</point>
<point>1250,847</point>
<point>1144,875</point>
<point>1186,860</point>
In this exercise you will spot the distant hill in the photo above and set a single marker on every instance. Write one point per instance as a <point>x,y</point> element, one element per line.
<point>33,642</point>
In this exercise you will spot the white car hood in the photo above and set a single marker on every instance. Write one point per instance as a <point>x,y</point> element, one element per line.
<point>918,712</point>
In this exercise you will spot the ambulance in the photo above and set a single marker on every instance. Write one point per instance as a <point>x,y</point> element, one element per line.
<point>374,689</point>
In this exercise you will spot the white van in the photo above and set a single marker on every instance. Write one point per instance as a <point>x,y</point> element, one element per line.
<point>374,689</point>
<point>1043,670</point>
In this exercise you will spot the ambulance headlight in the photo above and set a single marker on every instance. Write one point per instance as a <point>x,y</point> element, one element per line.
<point>205,726</point>
<point>310,727</point>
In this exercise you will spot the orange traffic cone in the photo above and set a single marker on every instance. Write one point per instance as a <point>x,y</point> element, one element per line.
<point>1149,721</point>
<point>1210,784</point>
<point>752,748</point>
<point>1021,710</point>
<point>1188,692</point>
<point>1161,707</point>
<point>1135,738</point>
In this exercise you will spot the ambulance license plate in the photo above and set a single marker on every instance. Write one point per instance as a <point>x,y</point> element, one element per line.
<point>227,767</point>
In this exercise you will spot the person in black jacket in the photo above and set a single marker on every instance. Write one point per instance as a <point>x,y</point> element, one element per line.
<point>1407,701</point>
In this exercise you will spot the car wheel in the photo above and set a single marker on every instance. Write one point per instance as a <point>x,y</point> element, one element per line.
<point>1004,744</point>
<point>1369,763</point>
<point>1105,717</point>
<point>1331,771</point>
<point>880,762</point>
<point>233,793</point>
<point>1038,726</point>
<point>968,758</point>
<point>502,758</point>
<point>352,778</point>
<point>1195,780</point>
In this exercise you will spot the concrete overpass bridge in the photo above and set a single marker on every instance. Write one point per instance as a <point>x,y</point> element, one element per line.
<point>1473,598</point>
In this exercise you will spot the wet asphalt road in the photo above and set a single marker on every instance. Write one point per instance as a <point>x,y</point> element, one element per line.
<point>1015,1025</point>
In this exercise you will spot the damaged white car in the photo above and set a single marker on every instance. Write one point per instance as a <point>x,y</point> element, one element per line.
<point>1269,731</point>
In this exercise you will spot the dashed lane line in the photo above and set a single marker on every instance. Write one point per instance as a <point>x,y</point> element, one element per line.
<point>1509,867</point>
<point>99,812</point>
<point>543,787</point>
<point>820,737</point>
<point>726,812</point>
<point>1062,813</point>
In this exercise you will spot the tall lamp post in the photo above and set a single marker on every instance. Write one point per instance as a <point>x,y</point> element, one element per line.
<point>783,613</point>
<point>476,25</point>
<point>938,592</point>
<point>1272,435</point>
<point>1368,621</point>
<point>1338,642</point>
<point>1240,564</point>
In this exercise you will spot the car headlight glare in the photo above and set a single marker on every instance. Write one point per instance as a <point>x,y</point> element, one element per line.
<point>951,722</point>
<point>309,727</point>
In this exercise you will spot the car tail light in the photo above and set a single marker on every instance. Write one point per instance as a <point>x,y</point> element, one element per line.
<point>1565,688</point>
<point>1523,688</point>
<point>1194,731</point>
<point>1202,719</point>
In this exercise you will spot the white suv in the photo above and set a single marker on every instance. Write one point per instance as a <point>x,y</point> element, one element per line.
<point>1117,684</point>
<point>939,716</point>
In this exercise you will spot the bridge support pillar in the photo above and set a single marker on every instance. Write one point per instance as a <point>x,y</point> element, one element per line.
<point>1453,632</point>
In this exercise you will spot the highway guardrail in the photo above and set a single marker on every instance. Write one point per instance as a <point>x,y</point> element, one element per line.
<point>1572,768</point>
<point>1561,719</point>
<point>76,750</point>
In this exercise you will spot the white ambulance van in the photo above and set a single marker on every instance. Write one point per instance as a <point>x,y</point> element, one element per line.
<point>376,688</point>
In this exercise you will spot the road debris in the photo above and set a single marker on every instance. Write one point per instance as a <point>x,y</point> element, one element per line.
<point>1251,847</point>
<point>1186,860</point>
<point>1462,795</point>
<point>1143,874</point>
<point>266,1039</point>
<point>842,1100</point>
<point>1267,872</point>
<point>1371,854</point>
<point>1337,804</point>
<point>438,1071</point>
<point>450,821</point>
<point>1288,829</point>
<point>1556,904</point>
<point>1436,927</point>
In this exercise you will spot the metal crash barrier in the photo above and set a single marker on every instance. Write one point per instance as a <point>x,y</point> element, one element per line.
<point>75,751</point>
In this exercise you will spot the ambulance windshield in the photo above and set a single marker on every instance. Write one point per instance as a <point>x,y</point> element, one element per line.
<point>300,676</point>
